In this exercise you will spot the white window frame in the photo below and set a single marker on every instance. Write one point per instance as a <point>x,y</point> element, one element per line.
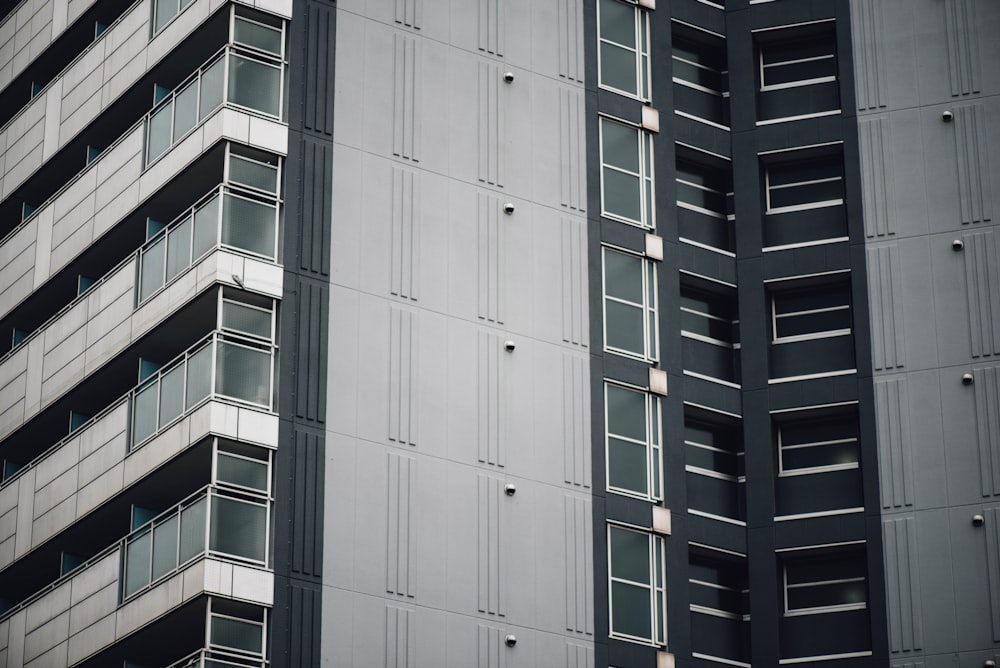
<point>822,609</point>
<point>809,470</point>
<point>798,207</point>
<point>656,587</point>
<point>643,76</point>
<point>649,306</point>
<point>762,68</point>
<point>647,191</point>
<point>653,445</point>
<point>825,334</point>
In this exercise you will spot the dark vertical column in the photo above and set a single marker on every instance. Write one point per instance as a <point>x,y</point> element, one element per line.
<point>302,362</point>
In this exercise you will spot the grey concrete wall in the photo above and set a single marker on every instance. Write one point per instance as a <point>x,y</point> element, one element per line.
<point>427,561</point>
<point>935,315</point>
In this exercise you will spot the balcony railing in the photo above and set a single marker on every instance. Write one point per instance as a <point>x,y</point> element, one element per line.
<point>206,658</point>
<point>236,76</point>
<point>221,366</point>
<point>224,218</point>
<point>211,522</point>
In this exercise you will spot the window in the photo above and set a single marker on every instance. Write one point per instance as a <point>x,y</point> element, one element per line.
<point>801,62</point>
<point>699,65</point>
<point>630,305</point>
<point>704,188</point>
<point>623,48</point>
<point>718,588</point>
<point>713,444</point>
<point>709,317</point>
<point>637,595</point>
<point>632,420</point>
<point>626,173</point>
<point>818,445</point>
<point>165,10</point>
<point>832,581</point>
<point>804,184</point>
<point>812,313</point>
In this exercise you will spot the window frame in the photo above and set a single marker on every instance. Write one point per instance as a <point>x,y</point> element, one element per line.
<point>646,175</point>
<point>761,67</point>
<point>822,555</point>
<point>784,472</point>
<point>642,60</point>
<point>653,444</point>
<point>775,297</point>
<point>805,206</point>
<point>656,556</point>
<point>649,306</point>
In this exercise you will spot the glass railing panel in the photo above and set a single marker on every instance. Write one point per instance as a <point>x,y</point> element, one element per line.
<point>211,87</point>
<point>236,528</point>
<point>243,472</point>
<point>152,265</point>
<point>185,109</point>
<point>249,225</point>
<point>255,84</point>
<point>206,226</point>
<point>158,131</point>
<point>243,373</point>
<point>179,248</point>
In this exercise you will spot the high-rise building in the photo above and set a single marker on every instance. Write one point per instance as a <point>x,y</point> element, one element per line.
<point>495,333</point>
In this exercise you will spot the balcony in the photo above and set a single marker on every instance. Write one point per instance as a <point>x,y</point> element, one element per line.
<point>219,549</point>
<point>97,79</point>
<point>225,235</point>
<point>136,435</point>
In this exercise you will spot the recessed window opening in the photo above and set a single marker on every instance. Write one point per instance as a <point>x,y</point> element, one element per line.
<point>811,313</point>
<point>626,173</point>
<point>800,62</point>
<point>825,583</point>
<point>804,184</point>
<point>632,432</point>
<point>630,305</point>
<point>636,584</point>
<point>818,445</point>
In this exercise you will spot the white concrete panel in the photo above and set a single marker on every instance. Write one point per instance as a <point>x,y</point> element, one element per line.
<point>268,135</point>
<point>92,495</point>
<point>94,608</point>
<point>48,495</point>
<point>52,103</point>
<point>49,524</point>
<point>257,427</point>
<point>25,512</point>
<point>263,277</point>
<point>47,608</point>
<point>235,125</point>
<point>95,578</point>
<point>253,584</point>
<point>225,419</point>
<point>15,645</point>
<point>91,639</point>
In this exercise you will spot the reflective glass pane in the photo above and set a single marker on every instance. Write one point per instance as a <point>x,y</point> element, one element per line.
<point>243,373</point>
<point>165,10</point>
<point>185,110</point>
<point>623,276</point>
<point>253,174</point>
<point>823,595</point>
<point>254,85</point>
<point>192,531</point>
<point>171,394</point>
<point>631,613</point>
<point>241,318</point>
<point>624,327</point>
<point>809,193</point>
<point>627,465</point>
<point>179,248</point>
<point>248,225</point>
<point>630,555</point>
<point>617,22</point>
<point>834,454</point>
<point>158,132</point>
<point>262,37</point>
<point>165,547</point>
<point>237,634</point>
<point>243,472</point>
<point>626,412</point>
<point>618,68</point>
<point>151,273</point>
<point>137,554</point>
<point>238,528</point>
<point>622,195</point>
<point>620,145</point>
<point>199,376</point>
<point>144,413</point>
<point>206,226</point>
<point>212,81</point>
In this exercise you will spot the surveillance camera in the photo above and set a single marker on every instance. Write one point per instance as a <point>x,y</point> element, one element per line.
<point>946,116</point>
<point>509,489</point>
<point>978,520</point>
<point>510,640</point>
<point>508,208</point>
<point>508,346</point>
<point>508,76</point>
<point>967,379</point>
<point>957,244</point>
